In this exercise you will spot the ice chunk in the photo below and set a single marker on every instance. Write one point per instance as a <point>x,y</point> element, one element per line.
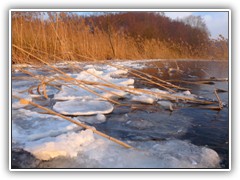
<point>101,153</point>
<point>23,84</point>
<point>182,154</point>
<point>166,104</point>
<point>30,126</point>
<point>53,133</point>
<point>113,93</point>
<point>99,76</point>
<point>99,118</point>
<point>158,90</point>
<point>116,73</point>
<point>133,64</point>
<point>125,81</point>
<point>16,103</point>
<point>90,75</point>
<point>82,107</point>
<point>74,92</point>
<point>93,75</point>
<point>22,65</point>
<point>64,145</point>
<point>94,71</point>
<point>143,99</point>
<point>88,66</point>
<point>184,94</point>
<point>156,93</point>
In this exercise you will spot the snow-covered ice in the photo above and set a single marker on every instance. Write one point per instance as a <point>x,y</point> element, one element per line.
<point>63,145</point>
<point>93,152</point>
<point>93,75</point>
<point>83,149</point>
<point>29,125</point>
<point>76,92</point>
<point>83,107</point>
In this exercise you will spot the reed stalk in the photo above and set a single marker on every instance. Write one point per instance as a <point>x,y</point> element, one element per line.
<point>165,86</point>
<point>219,100</point>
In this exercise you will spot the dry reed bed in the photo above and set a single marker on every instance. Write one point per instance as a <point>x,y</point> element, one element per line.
<point>55,40</point>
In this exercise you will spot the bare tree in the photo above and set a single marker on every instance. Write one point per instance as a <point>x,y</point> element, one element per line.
<point>196,22</point>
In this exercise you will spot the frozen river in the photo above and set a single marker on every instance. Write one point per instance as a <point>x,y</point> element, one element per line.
<point>163,132</point>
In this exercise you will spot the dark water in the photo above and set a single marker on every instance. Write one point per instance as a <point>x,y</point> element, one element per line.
<point>201,127</point>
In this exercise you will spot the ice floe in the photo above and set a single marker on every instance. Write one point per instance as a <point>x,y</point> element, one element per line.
<point>83,107</point>
<point>89,151</point>
<point>132,64</point>
<point>93,75</point>
<point>29,125</point>
<point>16,103</point>
<point>63,145</point>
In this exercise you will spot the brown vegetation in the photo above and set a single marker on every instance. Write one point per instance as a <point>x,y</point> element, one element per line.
<point>134,35</point>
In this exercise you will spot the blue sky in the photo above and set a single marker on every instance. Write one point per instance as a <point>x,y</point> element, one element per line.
<point>217,22</point>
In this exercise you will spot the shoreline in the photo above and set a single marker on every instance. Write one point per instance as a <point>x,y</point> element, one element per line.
<point>116,60</point>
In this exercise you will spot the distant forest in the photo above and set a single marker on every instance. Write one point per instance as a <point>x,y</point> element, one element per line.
<point>62,36</point>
